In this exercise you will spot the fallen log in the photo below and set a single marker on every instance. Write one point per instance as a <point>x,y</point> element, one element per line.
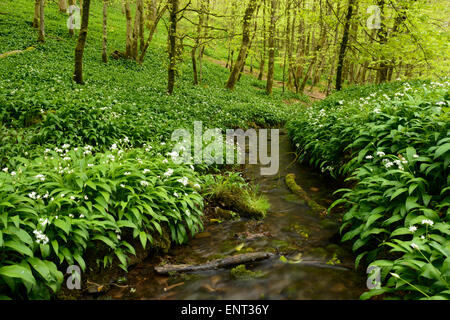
<point>215,264</point>
<point>3,55</point>
<point>296,189</point>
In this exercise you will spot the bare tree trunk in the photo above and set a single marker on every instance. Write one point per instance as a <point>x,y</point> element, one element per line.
<point>105,32</point>
<point>157,17</point>
<point>141,29</point>
<point>288,44</point>
<point>249,46</point>
<point>81,43</point>
<point>244,46</point>
<point>263,53</point>
<point>297,69</point>
<point>36,13</point>
<point>333,58</point>
<point>313,61</point>
<point>382,73</point>
<point>71,32</point>
<point>197,43</point>
<point>344,43</point>
<point>129,39</point>
<point>172,45</point>
<point>203,46</point>
<point>291,47</point>
<point>41,32</point>
<point>138,17</point>
<point>62,5</point>
<point>232,26</point>
<point>271,66</point>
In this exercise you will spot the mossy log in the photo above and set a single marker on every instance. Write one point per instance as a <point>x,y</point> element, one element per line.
<point>296,189</point>
<point>236,203</point>
<point>219,263</point>
<point>4,55</point>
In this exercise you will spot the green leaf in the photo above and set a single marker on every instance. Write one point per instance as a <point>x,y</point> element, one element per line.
<point>55,246</point>
<point>372,293</point>
<point>398,192</point>
<point>41,268</point>
<point>18,271</point>
<point>19,247</point>
<point>106,240</point>
<point>441,150</point>
<point>430,272</point>
<point>63,225</point>
<point>80,261</point>
<point>126,223</point>
<point>358,259</point>
<point>143,238</point>
<point>411,202</point>
<point>91,184</point>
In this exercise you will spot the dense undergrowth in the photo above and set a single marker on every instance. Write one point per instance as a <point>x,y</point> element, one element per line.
<point>84,166</point>
<point>392,142</point>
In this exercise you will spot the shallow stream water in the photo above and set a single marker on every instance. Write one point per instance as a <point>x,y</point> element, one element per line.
<point>291,230</point>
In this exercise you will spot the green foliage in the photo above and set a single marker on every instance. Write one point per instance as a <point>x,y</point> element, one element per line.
<point>41,105</point>
<point>83,166</point>
<point>394,146</point>
<point>55,207</point>
<point>236,194</point>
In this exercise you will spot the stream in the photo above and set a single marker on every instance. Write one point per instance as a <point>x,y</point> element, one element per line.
<point>314,264</point>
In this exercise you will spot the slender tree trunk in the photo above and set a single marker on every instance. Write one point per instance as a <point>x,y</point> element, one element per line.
<point>333,58</point>
<point>313,61</point>
<point>141,29</point>
<point>382,73</point>
<point>105,32</point>
<point>129,38</point>
<point>36,13</point>
<point>154,24</point>
<point>172,44</point>
<point>251,7</point>
<point>81,43</point>
<point>263,52</point>
<point>344,44</point>
<point>138,17</point>
<point>291,47</point>
<point>71,32</point>
<point>197,43</point>
<point>271,66</point>
<point>249,46</point>
<point>203,46</point>
<point>62,5</point>
<point>288,44</point>
<point>41,31</point>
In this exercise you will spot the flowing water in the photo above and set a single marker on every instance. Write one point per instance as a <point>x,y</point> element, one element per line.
<point>291,231</point>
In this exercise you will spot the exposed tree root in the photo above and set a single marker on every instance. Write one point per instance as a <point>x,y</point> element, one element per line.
<point>219,263</point>
<point>296,189</point>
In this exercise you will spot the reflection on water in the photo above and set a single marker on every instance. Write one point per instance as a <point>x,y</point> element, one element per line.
<point>290,229</point>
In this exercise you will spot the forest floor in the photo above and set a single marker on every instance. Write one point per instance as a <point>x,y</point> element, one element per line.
<point>314,92</point>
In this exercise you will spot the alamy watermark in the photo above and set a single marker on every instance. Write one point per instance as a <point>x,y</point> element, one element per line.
<point>211,147</point>
<point>74,280</point>
<point>374,277</point>
<point>74,20</point>
<point>374,21</point>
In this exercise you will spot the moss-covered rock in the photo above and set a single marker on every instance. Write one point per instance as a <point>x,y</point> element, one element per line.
<point>226,214</point>
<point>241,273</point>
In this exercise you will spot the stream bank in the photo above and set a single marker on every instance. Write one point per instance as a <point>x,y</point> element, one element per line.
<point>307,261</point>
